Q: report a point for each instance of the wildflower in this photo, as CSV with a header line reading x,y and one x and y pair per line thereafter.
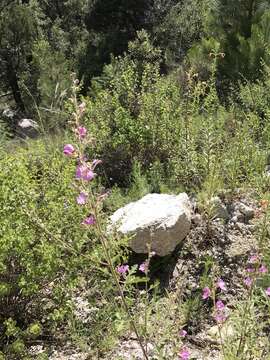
x,y
184,354
248,281
220,305
81,131
85,173
250,270
206,293
263,269
253,259
82,107
68,150
122,269
82,198
267,291
221,285
144,267
183,333
90,220
220,317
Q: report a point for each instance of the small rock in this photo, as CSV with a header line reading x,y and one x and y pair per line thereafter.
x,y
27,128
247,211
238,217
219,209
241,227
197,219
8,113
227,331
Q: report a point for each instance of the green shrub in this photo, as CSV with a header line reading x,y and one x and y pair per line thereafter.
x,y
41,244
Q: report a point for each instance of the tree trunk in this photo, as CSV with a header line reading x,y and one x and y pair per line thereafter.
x,y
14,85
250,18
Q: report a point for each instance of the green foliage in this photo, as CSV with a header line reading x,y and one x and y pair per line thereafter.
x,y
18,32
40,244
241,31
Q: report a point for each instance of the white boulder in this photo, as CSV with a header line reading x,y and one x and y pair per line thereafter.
x,y
158,221
27,128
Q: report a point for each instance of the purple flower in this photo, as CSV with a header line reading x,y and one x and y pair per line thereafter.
x,y
184,354
144,267
263,269
267,291
90,220
81,131
221,285
68,150
85,173
220,305
122,269
250,270
248,282
253,259
206,293
220,317
183,333
82,198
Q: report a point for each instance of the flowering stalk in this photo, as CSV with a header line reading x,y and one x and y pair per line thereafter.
x,y
85,174
219,312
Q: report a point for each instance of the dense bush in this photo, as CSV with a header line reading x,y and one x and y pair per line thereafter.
x,y
141,115
40,246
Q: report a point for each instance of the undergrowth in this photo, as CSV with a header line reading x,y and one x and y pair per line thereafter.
x,y
153,134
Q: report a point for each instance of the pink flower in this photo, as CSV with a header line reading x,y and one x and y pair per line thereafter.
x,y
143,267
220,317
82,107
267,291
250,270
253,259
122,269
263,269
184,354
85,173
90,220
221,285
68,150
220,305
248,282
206,293
82,198
183,333
81,131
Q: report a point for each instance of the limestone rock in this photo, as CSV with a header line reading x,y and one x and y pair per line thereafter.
x,y
160,221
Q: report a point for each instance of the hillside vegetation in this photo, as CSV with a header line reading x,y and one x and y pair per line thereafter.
x,y
127,98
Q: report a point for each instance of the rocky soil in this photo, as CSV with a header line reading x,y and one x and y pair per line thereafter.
x,y
226,240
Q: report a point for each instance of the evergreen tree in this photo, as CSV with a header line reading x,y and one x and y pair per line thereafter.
x,y
18,31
